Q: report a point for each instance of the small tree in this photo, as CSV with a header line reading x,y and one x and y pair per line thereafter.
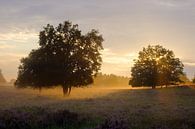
x,y
156,66
184,79
2,79
193,79
65,57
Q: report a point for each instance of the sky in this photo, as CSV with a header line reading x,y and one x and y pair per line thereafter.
x,y
126,25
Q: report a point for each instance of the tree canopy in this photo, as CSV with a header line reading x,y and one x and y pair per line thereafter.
x,y
156,66
66,57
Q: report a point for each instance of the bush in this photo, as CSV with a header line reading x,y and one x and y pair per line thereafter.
x,y
36,118
113,124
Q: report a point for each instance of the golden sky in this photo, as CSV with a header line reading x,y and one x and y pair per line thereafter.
x,y
127,26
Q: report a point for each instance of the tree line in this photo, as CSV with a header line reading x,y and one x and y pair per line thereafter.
x,y
68,58
110,80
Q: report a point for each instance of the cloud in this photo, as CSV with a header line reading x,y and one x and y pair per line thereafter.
x,y
5,46
189,67
114,58
117,63
189,70
174,3
123,70
126,26
21,36
167,3
9,63
189,63
11,57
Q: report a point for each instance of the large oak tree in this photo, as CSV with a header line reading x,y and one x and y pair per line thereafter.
x,y
156,66
66,57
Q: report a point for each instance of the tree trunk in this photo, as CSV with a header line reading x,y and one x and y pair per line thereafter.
x,y
40,89
66,90
153,87
69,90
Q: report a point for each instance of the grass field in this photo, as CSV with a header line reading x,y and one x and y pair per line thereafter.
x,y
140,108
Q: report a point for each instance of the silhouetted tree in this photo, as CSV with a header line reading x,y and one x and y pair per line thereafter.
x,y
156,66
65,57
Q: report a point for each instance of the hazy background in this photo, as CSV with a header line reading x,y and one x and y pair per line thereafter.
x,y
126,25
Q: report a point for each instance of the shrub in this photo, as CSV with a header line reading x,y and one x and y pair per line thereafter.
x,y
39,118
113,124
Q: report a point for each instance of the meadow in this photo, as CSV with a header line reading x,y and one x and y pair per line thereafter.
x,y
164,108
